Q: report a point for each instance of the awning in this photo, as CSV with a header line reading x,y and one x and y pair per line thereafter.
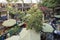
x,y
9,23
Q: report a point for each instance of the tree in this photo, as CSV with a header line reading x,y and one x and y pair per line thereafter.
x,y
9,8
22,5
31,2
49,3
34,20
57,1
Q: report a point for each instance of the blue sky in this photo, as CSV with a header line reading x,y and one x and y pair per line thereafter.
x,y
26,1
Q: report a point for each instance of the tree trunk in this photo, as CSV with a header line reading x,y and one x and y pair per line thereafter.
x,y
22,5
8,11
7,14
31,1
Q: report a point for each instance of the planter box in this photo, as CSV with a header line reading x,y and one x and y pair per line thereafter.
x,y
29,35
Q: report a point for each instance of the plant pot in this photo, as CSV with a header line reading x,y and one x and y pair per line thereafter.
x,y
29,35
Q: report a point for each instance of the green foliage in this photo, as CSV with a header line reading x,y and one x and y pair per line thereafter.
x,y
15,0
21,14
11,0
32,10
11,10
14,30
34,21
57,1
49,3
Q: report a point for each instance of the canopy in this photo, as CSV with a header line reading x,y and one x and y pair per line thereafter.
x,y
57,16
9,23
47,27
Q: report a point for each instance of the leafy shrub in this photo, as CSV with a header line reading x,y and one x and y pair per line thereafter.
x,y
34,21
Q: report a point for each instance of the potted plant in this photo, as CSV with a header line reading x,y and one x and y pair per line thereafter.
x,y
34,24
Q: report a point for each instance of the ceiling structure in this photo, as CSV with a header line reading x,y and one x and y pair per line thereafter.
x,y
25,1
